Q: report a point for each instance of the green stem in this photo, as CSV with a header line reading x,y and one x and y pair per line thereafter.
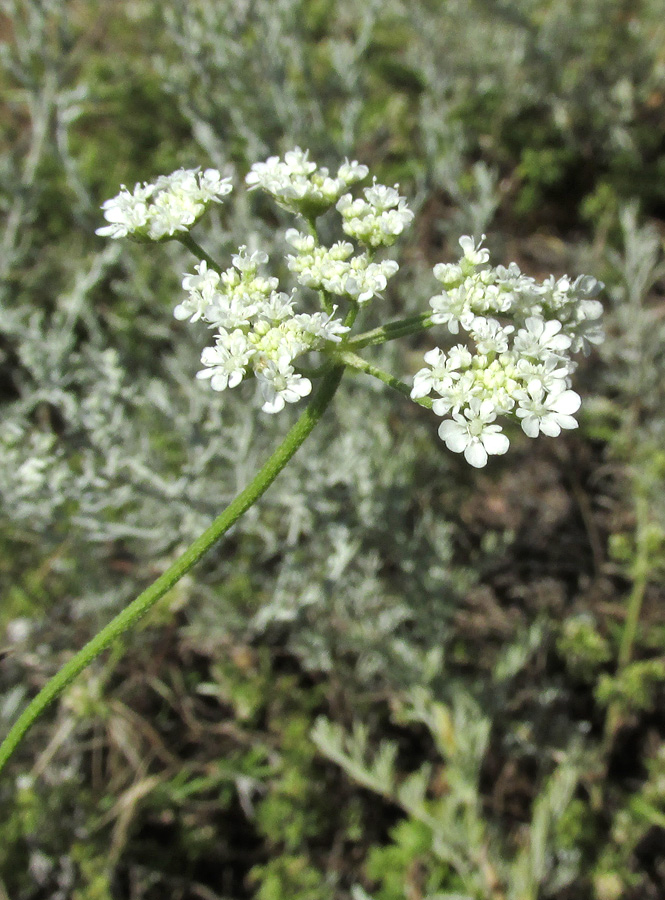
x,y
351,315
326,302
361,365
310,221
392,331
188,241
139,607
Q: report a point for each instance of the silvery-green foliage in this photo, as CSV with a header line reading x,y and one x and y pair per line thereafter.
x,y
475,204
346,575
256,73
79,433
112,448
540,56
634,375
541,862
461,835
636,359
37,353
251,72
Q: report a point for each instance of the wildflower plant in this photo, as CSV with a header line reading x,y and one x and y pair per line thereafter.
x,y
513,359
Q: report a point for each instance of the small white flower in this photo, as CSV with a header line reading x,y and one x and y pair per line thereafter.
x,y
249,262
280,384
378,219
127,213
201,288
298,185
436,373
456,394
539,339
546,413
322,326
490,336
449,274
442,372
204,282
552,373
277,308
212,186
459,357
364,280
350,172
451,308
298,163
227,361
474,434
172,204
303,243
474,253
381,197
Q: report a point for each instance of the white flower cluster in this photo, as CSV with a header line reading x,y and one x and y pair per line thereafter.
x,y
336,270
377,220
523,334
299,185
171,204
258,332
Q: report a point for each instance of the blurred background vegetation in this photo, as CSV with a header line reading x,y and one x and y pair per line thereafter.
x,y
398,677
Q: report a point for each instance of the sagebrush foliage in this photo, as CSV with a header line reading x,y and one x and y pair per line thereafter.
x,y
337,594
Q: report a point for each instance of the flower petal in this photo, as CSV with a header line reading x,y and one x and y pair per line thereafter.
x,y
476,455
496,444
530,425
568,402
455,436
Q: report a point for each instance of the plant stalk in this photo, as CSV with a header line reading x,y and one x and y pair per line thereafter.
x,y
392,331
361,365
188,241
145,601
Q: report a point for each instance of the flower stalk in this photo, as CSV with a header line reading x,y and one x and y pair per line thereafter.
x,y
392,331
131,614
188,241
362,365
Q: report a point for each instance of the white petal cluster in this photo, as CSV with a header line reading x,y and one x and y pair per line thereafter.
x,y
518,363
377,220
173,203
301,186
258,332
229,300
473,288
336,270
473,433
